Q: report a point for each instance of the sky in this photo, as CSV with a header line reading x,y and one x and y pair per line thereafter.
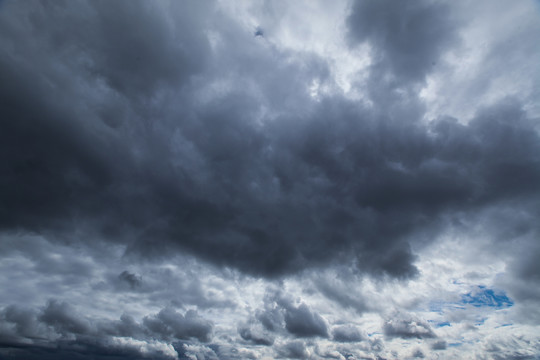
x,y
269,179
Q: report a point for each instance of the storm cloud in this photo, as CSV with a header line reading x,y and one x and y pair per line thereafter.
x,y
268,198
168,155
406,326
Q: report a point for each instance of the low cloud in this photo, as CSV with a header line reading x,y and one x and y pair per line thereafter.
x,y
282,314
407,326
293,350
169,324
31,333
64,319
255,335
133,280
347,333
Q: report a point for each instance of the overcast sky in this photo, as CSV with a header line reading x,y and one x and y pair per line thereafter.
x,y
270,179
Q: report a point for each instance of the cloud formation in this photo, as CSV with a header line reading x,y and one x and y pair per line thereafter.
x,y
406,326
213,180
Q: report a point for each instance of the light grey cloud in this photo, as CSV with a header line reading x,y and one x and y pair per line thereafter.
x,y
407,326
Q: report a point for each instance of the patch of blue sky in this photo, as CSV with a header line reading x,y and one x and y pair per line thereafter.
x,y
484,297
443,323
440,323
480,297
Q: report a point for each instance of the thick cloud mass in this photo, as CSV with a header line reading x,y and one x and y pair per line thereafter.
x,y
157,157
81,337
168,323
407,38
281,313
347,333
405,326
268,198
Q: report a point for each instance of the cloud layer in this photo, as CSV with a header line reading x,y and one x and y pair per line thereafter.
x,y
172,154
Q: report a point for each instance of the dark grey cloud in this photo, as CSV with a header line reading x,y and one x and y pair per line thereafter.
x,y
166,129
281,313
60,328
347,333
34,335
127,326
407,326
303,322
133,280
339,182
64,319
170,324
259,32
79,350
255,335
439,345
418,354
19,323
293,350
407,38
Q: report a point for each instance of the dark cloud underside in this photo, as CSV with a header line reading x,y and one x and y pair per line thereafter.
x,y
340,181
148,148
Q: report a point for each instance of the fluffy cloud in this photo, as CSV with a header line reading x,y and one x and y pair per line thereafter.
x,y
406,326
347,333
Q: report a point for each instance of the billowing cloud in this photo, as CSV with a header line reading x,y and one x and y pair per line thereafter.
x,y
169,324
60,320
406,326
439,345
63,319
303,322
270,198
257,336
347,333
407,39
132,280
293,350
227,180
298,319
